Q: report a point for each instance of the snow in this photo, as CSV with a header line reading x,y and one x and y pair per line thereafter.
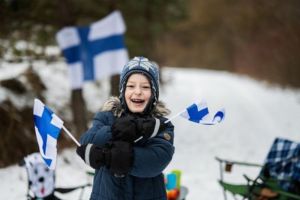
x,y
256,113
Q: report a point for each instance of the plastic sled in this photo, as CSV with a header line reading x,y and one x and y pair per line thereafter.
x,y
175,191
41,180
278,179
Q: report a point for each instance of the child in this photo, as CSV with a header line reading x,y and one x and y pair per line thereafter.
x,y
129,144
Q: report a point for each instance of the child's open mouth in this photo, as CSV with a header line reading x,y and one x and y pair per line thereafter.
x,y
138,101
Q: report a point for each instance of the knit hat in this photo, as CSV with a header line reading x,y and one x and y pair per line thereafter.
x,y
144,66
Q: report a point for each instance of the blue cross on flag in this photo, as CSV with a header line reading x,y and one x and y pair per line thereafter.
x,y
199,113
96,51
47,129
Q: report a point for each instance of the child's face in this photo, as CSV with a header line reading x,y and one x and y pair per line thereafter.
x,y
137,93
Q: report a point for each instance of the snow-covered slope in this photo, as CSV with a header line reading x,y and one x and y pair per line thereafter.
x,y
256,113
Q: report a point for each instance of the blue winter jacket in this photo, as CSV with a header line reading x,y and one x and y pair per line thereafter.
x,y
145,181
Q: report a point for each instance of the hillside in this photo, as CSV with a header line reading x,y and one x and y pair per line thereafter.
x,y
256,113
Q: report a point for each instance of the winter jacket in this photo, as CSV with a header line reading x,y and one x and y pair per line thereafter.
x,y
145,181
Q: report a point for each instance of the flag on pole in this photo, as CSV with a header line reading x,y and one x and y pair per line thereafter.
x,y
47,127
199,113
96,51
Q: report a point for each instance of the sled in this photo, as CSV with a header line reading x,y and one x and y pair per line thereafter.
x,y
41,180
175,191
278,179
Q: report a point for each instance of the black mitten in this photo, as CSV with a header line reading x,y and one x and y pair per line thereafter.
x,y
132,128
117,156
124,129
149,127
121,157
94,155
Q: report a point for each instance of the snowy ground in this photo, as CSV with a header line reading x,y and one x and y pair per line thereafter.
x,y
256,113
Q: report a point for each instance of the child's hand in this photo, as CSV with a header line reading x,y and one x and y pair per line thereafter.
x,y
117,156
121,158
93,155
149,127
125,129
131,128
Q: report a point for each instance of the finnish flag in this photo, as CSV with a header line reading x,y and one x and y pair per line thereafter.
x,y
96,51
199,113
47,127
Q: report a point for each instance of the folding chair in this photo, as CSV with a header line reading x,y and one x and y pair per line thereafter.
x,y
41,180
279,177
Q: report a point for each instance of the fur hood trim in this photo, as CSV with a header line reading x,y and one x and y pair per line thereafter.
x,y
113,104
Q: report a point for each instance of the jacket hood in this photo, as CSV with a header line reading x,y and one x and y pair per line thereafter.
x,y
113,104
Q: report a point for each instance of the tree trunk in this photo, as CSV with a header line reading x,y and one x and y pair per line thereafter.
x,y
77,101
114,85
79,112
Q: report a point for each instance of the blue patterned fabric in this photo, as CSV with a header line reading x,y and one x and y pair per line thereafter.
x,y
283,163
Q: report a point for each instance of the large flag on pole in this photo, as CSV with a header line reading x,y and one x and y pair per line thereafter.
x,y
95,51
47,127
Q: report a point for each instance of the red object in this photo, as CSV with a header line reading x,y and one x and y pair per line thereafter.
x,y
173,194
42,190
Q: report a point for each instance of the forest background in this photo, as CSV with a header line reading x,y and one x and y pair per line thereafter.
x,y
259,38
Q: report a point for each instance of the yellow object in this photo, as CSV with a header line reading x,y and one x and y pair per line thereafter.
x,y
178,175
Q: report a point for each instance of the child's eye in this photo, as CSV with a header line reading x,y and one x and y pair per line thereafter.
x,y
129,86
146,87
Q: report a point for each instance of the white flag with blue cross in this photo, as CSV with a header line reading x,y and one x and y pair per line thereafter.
x,y
199,113
96,51
47,127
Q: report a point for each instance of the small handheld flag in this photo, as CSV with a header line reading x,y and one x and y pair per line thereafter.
x,y
47,130
47,127
199,113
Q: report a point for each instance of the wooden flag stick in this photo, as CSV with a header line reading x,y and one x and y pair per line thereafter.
x,y
71,136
